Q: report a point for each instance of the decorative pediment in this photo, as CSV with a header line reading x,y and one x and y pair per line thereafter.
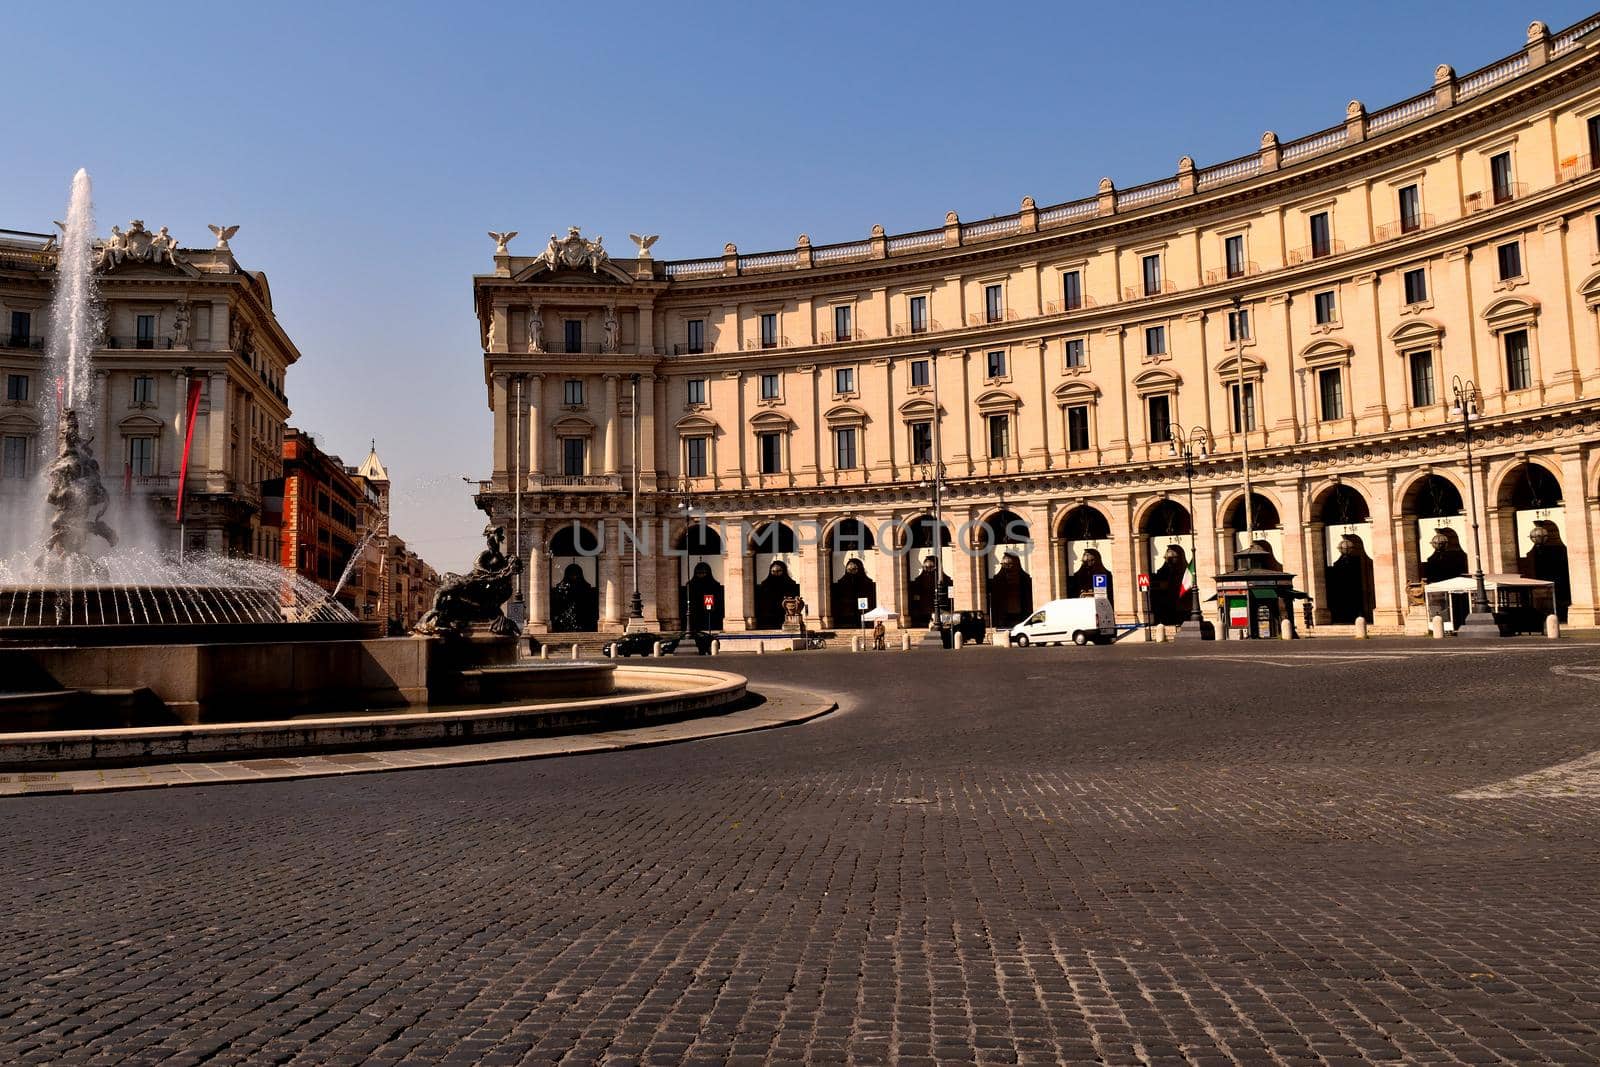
x,y
574,255
771,420
998,400
1077,392
1326,351
1509,312
697,425
139,247
139,423
606,275
1229,369
845,415
1590,289
17,421
1417,333
1157,380
573,426
917,409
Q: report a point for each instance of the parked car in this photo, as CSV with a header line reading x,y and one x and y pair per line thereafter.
x,y
642,643
1079,620
973,626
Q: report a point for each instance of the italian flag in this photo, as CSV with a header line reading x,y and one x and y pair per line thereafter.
x,y
1188,579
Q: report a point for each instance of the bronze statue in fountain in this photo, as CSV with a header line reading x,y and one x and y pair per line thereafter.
x,y
475,598
78,501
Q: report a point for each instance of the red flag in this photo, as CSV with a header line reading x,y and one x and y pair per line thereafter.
x,y
188,441
127,480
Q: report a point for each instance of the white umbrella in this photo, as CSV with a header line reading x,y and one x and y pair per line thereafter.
x,y
879,613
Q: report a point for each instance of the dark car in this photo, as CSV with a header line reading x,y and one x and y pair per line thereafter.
x,y
973,626
642,643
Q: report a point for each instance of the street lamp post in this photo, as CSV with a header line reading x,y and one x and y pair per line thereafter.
x,y
1480,620
936,624
636,602
1186,446
686,505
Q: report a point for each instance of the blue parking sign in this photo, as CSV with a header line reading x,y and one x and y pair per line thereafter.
x,y
1100,580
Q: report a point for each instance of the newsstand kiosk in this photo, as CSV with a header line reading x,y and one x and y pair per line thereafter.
x,y
1254,600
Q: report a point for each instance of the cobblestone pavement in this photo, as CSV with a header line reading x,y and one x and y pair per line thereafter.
x,y
1129,854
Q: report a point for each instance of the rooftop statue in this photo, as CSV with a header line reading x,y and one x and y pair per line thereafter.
x,y
573,252
224,234
644,242
500,241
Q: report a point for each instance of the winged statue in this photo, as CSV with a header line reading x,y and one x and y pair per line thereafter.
x,y
500,240
644,243
223,233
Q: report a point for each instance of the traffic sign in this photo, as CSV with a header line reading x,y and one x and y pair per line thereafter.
x,y
861,603
710,601
1100,581
1144,583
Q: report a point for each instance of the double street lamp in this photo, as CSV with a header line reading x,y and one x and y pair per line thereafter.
x,y
636,602
1467,403
1187,446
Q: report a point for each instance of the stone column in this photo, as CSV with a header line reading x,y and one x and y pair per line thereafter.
x,y
216,432
502,427
1579,506
1389,554
609,572
1128,553
815,589
612,424
533,412
734,565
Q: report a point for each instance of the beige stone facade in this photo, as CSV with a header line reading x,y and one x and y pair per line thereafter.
x,y
1455,235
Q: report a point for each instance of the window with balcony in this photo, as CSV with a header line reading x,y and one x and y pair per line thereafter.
x,y
572,392
15,453
1243,399
1158,411
996,363
999,436
1508,257
1594,140
769,445
1071,290
141,456
1078,428
1410,208
144,389
1238,326
1416,285
574,456
919,373
1326,307
1233,255
696,390
145,331
844,448
572,334
1500,177
695,335
919,314
1321,235
769,330
1150,268
1423,392
21,329
1155,341
1519,367
694,456
1330,389
994,299
841,323
769,387
844,381
921,442
1077,355
17,388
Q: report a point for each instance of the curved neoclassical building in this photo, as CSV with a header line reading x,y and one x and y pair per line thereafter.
x,y
1307,312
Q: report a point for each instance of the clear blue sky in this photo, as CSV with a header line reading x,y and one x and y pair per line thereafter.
x,y
366,149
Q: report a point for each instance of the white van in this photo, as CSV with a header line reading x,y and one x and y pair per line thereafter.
x,y
1079,620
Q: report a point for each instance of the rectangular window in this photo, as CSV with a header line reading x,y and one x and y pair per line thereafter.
x,y
1594,141
142,456
769,330
572,333
1076,356
1509,257
1422,381
1410,209
1416,285
1321,235
21,329
844,449
769,387
696,335
695,456
574,454
696,390
999,436
919,372
1238,326
1072,290
841,324
1244,406
1326,309
1151,268
17,388
922,442
145,325
1155,340
144,390
572,391
1078,428
1159,409
1233,253
771,449
997,364
1500,177
1519,369
14,457
993,303
844,381
919,314
1330,384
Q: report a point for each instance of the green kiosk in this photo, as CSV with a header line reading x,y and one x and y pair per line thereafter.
x,y
1255,598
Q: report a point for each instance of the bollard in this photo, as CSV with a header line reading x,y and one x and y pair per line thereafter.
x,y
1286,630
856,644
716,648
611,651
1361,628
905,642
1552,627
656,650
1436,627
956,641
544,651
761,648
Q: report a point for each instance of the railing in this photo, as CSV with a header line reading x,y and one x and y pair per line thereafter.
x,y
1480,201
1568,39
584,348
19,341
1574,167
1311,252
904,329
1401,113
26,258
684,349
835,253
752,344
139,342
828,337
989,229
1069,212
1390,230
983,318
1224,274
1140,292
1060,307
768,261
916,242
1232,171
1481,81
698,268
1314,145
1149,193
597,482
